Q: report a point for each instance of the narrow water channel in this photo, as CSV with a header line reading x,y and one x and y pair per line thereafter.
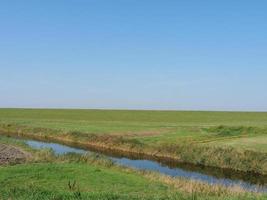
x,y
250,182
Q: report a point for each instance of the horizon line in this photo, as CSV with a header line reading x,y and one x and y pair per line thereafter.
x,y
133,109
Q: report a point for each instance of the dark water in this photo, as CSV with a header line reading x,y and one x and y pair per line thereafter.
x,y
250,182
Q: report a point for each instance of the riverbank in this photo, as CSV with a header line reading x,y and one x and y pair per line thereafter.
x,y
74,176
62,180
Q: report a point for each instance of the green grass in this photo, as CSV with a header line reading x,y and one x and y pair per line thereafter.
x,y
179,134
55,177
163,117
120,121
148,126
81,181
258,143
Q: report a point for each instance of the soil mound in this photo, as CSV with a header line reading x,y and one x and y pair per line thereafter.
x,y
11,155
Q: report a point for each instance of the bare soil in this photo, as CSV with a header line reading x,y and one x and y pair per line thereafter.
x,y
11,155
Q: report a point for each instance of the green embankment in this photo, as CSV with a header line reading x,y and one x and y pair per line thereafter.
x,y
41,180
81,181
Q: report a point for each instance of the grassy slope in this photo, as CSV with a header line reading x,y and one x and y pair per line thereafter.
x,y
157,129
51,181
55,178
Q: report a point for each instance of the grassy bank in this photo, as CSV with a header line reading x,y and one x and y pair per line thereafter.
x,y
220,139
83,181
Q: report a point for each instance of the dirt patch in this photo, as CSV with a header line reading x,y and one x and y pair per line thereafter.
x,y
11,155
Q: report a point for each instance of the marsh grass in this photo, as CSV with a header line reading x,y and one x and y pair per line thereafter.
x,y
226,131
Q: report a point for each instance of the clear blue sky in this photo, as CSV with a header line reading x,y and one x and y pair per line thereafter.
x,y
137,54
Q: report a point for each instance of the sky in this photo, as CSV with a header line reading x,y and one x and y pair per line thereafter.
x,y
134,54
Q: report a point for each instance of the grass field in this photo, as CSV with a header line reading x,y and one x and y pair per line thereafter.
x,y
236,140
55,177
